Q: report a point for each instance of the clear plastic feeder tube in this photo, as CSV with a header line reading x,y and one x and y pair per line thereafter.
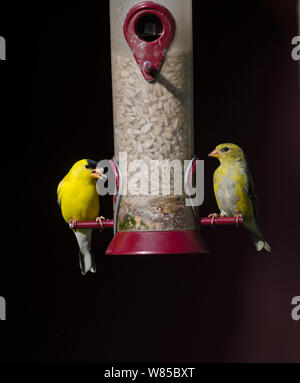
x,y
153,120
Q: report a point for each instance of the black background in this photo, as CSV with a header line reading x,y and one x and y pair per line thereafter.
x,y
231,305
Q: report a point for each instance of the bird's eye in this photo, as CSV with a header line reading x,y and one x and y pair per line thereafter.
x,y
225,149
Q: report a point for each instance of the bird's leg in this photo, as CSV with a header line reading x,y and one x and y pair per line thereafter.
x,y
213,216
72,223
99,220
237,218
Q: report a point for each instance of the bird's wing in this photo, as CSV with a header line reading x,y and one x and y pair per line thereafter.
x,y
216,182
251,194
59,191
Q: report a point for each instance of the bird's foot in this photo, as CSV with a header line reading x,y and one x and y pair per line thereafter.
x,y
99,220
213,216
237,217
72,223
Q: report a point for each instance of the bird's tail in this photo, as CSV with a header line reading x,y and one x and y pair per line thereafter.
x,y
257,236
260,242
86,259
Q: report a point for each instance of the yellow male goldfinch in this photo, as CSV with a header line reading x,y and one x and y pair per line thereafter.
x,y
234,190
79,201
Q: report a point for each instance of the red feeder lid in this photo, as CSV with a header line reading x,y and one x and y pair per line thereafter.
x,y
149,29
157,242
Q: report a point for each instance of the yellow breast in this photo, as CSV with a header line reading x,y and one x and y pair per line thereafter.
x,y
234,180
78,201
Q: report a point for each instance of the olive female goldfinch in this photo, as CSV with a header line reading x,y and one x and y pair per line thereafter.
x,y
234,190
79,201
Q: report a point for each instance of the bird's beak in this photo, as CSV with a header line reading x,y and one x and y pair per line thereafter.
x,y
214,153
98,173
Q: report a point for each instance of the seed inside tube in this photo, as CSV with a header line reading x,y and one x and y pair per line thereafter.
x,y
150,123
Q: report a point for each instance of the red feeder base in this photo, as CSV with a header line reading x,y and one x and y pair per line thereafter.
x,y
157,242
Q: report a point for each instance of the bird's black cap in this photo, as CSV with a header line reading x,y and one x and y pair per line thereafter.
x,y
91,164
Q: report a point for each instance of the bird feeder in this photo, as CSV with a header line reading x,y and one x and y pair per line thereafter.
x,y
152,84
152,77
